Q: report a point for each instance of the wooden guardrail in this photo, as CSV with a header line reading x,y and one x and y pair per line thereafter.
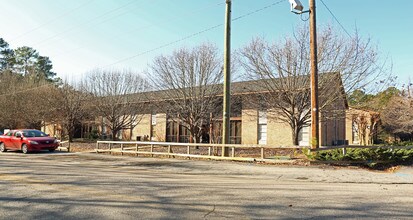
x,y
186,149
64,145
214,151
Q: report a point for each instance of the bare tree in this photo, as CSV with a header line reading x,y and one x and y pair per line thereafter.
x,y
8,83
282,69
24,102
397,117
71,102
365,123
113,100
189,80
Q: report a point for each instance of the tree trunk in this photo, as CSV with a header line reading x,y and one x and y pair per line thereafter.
x,y
70,133
295,132
114,135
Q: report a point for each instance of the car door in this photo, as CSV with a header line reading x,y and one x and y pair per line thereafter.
x,y
7,140
16,140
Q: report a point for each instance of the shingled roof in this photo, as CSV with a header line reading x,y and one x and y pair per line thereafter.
x,y
237,88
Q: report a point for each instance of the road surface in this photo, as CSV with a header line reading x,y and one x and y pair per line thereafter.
x,y
90,186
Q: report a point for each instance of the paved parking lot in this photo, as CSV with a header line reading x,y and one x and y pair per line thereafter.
x,y
90,186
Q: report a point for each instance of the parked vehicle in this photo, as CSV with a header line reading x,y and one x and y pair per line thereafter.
x,y
27,140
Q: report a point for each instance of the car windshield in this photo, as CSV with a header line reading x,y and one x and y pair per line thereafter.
x,y
33,133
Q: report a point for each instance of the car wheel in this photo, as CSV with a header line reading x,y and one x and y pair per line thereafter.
x,y
2,147
51,150
24,149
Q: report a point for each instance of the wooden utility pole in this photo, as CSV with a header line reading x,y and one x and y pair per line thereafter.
x,y
314,78
227,80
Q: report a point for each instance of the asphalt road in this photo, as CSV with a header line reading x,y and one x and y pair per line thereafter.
x,y
89,186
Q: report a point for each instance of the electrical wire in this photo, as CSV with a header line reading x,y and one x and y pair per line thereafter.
x,y
86,23
53,20
349,35
30,89
335,18
164,45
192,35
258,10
168,20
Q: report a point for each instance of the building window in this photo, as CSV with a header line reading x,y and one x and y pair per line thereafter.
x,y
304,132
183,134
153,127
304,136
355,132
235,132
153,119
171,131
153,130
176,132
262,127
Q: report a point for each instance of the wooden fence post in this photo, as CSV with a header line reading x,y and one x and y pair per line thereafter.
x,y
97,147
137,149
121,149
262,153
169,151
233,152
151,150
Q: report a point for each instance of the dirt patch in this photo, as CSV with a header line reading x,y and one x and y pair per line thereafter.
x,y
80,147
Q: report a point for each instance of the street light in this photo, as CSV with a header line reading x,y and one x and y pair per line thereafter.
x,y
297,8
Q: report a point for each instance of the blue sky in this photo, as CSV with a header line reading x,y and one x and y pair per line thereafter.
x,y
80,35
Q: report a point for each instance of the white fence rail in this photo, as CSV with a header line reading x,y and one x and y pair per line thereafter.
x,y
191,150
64,146
212,151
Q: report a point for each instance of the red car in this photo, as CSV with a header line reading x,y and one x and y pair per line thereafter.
x,y
27,140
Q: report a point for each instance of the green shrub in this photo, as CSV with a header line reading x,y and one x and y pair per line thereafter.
x,y
359,154
94,134
335,155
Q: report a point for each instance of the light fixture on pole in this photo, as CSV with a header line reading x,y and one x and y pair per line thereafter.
x,y
297,8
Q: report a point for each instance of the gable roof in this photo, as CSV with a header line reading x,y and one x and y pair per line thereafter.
x,y
243,88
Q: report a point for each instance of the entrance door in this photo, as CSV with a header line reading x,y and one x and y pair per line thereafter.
x,y
262,134
304,136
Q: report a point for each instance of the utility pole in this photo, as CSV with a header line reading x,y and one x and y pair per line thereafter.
x,y
314,78
227,80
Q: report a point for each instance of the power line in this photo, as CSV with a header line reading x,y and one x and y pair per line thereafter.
x,y
380,68
30,89
164,45
258,10
335,18
193,35
53,20
168,20
86,23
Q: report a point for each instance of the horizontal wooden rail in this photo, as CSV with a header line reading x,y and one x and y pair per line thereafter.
x,y
63,147
201,144
152,148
